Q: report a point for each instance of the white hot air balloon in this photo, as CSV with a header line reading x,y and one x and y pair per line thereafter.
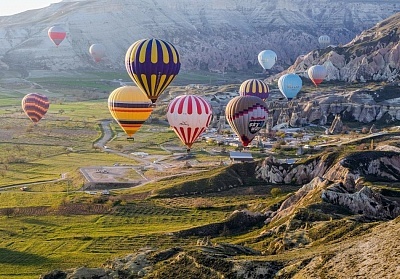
x,y
97,51
267,59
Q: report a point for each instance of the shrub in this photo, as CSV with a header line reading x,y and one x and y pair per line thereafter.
x,y
275,192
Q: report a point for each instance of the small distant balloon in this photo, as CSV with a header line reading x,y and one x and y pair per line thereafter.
x,y
324,41
97,51
267,59
254,87
290,85
189,116
130,107
57,34
246,115
35,106
152,64
317,74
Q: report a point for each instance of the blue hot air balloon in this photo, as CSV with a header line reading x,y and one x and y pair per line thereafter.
x,y
267,59
290,85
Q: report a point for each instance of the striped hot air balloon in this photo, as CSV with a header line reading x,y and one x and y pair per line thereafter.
x,y
130,107
254,87
189,116
324,41
246,115
57,34
35,106
152,64
317,74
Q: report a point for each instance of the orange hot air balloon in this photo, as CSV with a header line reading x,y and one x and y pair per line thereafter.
x,y
35,106
57,34
130,107
189,116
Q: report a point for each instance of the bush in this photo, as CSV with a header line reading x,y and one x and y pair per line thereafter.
x,y
275,192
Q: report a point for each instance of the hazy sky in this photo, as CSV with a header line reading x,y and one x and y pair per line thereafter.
x,y
16,6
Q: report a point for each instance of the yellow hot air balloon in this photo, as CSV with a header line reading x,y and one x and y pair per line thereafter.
x,y
130,107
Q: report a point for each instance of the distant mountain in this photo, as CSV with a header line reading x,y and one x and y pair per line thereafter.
x,y
373,55
210,34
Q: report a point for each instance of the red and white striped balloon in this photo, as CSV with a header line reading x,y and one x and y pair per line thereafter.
x,y
189,116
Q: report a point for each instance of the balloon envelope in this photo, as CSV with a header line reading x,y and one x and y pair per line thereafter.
x,y
57,34
317,74
290,85
189,116
130,107
152,64
246,115
97,51
35,106
324,40
254,87
267,59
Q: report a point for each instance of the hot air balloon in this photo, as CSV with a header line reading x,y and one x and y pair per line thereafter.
x,y
35,106
267,59
246,115
254,87
290,85
97,51
130,107
317,73
152,64
324,41
56,34
189,116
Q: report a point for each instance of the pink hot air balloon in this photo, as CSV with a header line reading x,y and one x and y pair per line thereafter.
x,y
189,116
97,51
317,74
57,34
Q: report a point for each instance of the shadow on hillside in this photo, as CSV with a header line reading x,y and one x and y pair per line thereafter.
x,y
8,256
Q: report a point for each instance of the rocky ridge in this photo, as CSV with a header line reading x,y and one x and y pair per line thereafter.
x,y
373,55
217,36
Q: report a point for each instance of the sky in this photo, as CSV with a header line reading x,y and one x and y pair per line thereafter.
x,y
16,6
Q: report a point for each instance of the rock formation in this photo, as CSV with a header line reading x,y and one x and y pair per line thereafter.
x,y
373,55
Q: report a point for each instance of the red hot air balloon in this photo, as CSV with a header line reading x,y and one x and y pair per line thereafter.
x,y
57,34
35,106
254,87
189,116
152,64
317,74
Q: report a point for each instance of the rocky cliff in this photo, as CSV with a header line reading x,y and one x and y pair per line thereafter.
x,y
373,55
212,35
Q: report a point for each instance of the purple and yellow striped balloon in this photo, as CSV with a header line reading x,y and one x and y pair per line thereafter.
x,y
35,106
254,87
152,64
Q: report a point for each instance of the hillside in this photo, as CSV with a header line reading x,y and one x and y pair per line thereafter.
x,y
219,36
326,229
